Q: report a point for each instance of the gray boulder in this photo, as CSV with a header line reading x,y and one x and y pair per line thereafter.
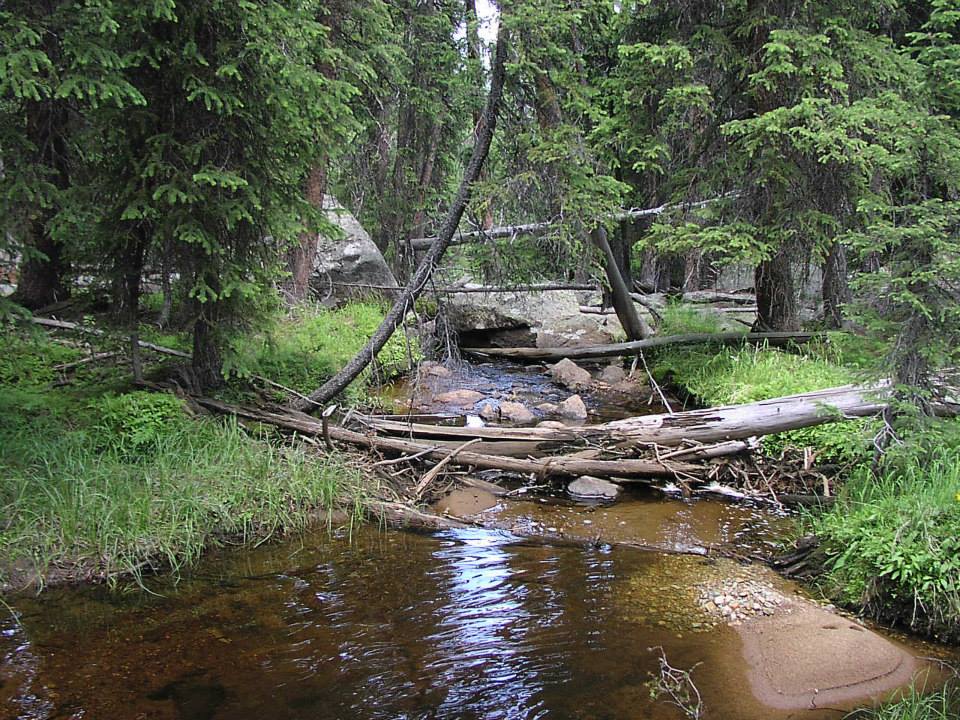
x,y
573,408
350,265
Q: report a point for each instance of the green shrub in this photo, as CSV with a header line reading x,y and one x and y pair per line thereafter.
x,y
137,421
893,542
28,359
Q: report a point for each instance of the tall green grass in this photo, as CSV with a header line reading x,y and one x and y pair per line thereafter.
x,y
892,541
99,484
715,375
915,704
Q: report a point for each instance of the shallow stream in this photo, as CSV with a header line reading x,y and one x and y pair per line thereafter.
x,y
474,623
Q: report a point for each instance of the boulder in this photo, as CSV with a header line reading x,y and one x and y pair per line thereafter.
x,y
593,488
612,374
511,412
580,330
573,408
507,311
434,369
548,408
569,374
459,398
347,260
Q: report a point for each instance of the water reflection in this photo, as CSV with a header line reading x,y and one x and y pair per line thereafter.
x,y
464,624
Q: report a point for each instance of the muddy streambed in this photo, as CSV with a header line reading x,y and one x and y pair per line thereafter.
x,y
469,623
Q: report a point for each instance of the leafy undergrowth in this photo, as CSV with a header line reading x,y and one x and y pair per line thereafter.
x,y
724,375
892,540
100,483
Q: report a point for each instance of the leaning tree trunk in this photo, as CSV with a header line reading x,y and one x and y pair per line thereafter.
x,y
627,313
418,282
777,306
836,289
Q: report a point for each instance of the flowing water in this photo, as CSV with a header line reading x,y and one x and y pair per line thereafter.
x,y
473,623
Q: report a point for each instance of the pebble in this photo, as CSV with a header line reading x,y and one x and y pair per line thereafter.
x,y
738,599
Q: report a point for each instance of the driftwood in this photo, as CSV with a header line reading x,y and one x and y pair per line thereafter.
x,y
638,346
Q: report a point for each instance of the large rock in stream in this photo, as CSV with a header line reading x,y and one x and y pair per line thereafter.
x,y
350,265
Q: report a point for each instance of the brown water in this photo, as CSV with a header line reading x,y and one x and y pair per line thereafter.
x,y
460,624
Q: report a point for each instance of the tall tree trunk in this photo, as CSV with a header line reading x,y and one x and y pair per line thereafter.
x,y
421,277
836,289
300,257
777,306
672,272
40,279
207,361
132,273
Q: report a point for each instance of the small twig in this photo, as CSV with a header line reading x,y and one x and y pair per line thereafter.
x,y
438,468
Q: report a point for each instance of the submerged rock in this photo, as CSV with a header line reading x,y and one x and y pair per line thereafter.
x,y
593,488
459,398
573,408
569,374
612,374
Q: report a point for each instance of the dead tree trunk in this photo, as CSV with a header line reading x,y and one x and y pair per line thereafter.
x,y
633,325
418,282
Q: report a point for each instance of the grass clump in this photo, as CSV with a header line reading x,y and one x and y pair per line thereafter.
x,y
99,484
915,704
306,347
892,541
726,376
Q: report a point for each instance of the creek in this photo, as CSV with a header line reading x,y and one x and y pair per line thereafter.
x,y
467,623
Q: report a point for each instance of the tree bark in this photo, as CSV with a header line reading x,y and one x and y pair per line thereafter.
x,y
300,257
418,282
836,289
777,306
40,280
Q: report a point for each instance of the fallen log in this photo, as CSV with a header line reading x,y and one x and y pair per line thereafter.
x,y
775,339
545,467
74,327
708,427
538,228
709,296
